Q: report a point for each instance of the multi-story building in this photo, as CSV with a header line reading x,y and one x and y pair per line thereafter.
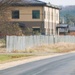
x,y
51,19
35,15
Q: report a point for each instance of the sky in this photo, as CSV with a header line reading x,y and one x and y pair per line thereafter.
x,y
61,2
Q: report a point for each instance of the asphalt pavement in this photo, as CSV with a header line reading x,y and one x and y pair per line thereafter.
x,y
59,65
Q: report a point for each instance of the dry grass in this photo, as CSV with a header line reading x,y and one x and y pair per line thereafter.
x,y
2,48
53,48
2,45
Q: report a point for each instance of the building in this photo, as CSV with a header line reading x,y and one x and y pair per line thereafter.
x,y
37,16
62,29
65,29
72,30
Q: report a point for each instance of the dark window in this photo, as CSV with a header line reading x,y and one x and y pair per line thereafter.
x,y
36,14
36,30
15,14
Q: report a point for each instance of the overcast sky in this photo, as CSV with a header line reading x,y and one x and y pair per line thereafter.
x,y
61,2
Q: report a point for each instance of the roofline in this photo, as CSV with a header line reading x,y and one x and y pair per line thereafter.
x,y
53,6
28,5
36,4
45,4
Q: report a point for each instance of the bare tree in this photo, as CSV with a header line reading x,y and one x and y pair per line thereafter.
x,y
7,28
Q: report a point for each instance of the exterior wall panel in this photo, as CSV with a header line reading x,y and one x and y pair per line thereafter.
x,y
49,18
26,13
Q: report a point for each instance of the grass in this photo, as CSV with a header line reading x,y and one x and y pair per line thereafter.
x,y
53,48
10,57
2,40
36,51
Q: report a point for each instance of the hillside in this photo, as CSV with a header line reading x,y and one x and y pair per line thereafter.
x,y
67,10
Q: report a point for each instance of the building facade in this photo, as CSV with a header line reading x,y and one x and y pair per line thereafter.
x,y
37,16
51,19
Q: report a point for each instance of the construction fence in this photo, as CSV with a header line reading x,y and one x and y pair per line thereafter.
x,y
23,42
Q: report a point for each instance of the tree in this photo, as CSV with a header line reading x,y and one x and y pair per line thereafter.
x,y
70,19
67,17
7,28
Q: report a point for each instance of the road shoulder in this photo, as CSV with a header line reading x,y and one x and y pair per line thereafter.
x,y
20,62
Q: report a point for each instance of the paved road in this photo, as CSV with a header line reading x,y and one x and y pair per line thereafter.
x,y
60,65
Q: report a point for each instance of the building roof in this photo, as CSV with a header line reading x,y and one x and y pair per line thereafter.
x,y
33,3
62,26
28,2
53,6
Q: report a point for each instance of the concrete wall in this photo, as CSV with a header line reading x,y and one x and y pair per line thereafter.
x,y
23,42
51,20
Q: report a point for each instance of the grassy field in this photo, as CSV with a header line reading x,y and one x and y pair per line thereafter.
x,y
10,57
36,51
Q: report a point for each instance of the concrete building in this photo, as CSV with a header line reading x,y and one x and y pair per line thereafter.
x,y
36,15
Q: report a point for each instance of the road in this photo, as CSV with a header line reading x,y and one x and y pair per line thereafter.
x,y
59,65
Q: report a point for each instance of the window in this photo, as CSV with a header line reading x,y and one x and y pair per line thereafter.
x,y
36,30
15,14
36,14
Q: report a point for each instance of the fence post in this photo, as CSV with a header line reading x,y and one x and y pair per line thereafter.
x,y
54,39
7,42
